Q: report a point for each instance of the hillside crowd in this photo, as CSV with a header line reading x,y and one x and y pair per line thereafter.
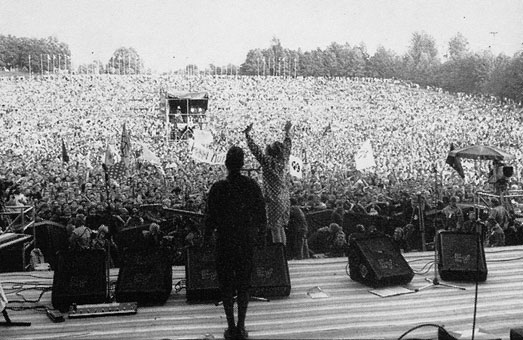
x,y
410,130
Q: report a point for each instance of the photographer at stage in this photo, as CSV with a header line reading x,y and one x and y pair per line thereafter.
x,y
275,165
236,211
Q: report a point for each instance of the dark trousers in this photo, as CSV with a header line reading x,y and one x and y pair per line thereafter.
x,y
234,265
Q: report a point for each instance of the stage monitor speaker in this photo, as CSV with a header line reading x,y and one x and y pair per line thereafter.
x,y
201,279
376,262
80,277
461,257
516,334
270,275
145,277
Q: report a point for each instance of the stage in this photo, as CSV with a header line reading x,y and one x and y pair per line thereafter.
x,y
349,312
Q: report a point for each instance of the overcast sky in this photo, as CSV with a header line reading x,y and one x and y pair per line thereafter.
x,y
170,34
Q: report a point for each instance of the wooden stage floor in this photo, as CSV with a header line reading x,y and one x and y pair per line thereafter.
x,y
349,312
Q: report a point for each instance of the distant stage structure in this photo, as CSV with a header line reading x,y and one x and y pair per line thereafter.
x,y
184,111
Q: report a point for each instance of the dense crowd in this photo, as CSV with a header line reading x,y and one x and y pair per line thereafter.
x,y
410,130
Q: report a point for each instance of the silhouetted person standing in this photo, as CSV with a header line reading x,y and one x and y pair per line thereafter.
x,y
275,166
236,211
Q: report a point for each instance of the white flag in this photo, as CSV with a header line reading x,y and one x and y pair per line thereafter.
x,y
202,137
364,158
148,156
295,167
111,155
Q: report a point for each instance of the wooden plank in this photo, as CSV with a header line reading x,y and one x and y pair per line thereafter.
x,y
350,311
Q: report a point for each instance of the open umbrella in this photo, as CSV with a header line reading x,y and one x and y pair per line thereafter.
x,y
481,152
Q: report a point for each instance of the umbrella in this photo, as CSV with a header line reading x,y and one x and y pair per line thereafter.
x,y
481,152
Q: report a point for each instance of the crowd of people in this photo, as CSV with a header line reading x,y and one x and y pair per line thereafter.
x,y
410,130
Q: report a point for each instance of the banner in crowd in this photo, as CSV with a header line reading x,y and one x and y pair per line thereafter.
x,y
202,137
295,167
364,158
205,155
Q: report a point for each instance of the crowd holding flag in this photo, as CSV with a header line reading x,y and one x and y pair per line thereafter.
x,y
110,155
65,156
125,146
364,158
455,162
295,167
117,171
148,156
327,129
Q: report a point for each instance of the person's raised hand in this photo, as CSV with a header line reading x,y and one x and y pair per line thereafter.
x,y
288,126
248,128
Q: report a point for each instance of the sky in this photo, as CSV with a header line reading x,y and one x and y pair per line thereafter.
x,y
169,34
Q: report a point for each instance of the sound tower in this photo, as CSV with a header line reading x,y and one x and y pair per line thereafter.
x,y
376,262
458,257
79,277
145,276
269,279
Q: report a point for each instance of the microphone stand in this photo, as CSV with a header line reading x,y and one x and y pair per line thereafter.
x,y
435,282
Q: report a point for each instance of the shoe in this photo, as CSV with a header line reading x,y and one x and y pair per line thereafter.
x,y
230,333
242,333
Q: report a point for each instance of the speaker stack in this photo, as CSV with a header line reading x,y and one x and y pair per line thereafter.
x,y
145,277
79,278
270,275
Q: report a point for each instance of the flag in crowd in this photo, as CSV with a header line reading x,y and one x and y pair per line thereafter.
x,y
65,156
455,162
364,158
148,156
111,155
117,172
87,161
125,146
295,167
327,129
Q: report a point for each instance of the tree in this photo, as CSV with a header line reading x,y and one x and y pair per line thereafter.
x,y
458,47
421,61
506,78
384,63
125,61
253,64
466,74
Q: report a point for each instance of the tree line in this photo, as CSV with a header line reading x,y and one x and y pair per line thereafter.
x,y
33,55
48,55
462,70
